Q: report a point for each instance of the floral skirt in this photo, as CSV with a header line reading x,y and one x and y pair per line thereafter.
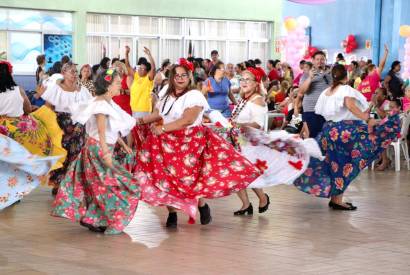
x,y
19,171
95,194
180,167
281,157
38,133
348,148
73,141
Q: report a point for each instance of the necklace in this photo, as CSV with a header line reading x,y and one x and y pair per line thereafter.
x,y
238,108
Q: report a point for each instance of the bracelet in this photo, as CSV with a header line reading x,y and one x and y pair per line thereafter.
x,y
141,120
163,128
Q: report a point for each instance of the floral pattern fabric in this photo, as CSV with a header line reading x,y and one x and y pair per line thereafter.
x,y
38,133
189,164
96,194
348,148
73,141
19,171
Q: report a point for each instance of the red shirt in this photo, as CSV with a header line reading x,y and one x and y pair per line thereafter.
x,y
273,75
124,85
369,85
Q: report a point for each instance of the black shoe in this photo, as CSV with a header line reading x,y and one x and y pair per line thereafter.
x,y
332,203
172,220
205,214
247,211
266,207
99,229
336,206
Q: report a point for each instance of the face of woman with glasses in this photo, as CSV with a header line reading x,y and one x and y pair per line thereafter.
x,y
70,74
248,83
181,79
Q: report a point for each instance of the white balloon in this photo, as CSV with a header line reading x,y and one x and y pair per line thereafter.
x,y
303,21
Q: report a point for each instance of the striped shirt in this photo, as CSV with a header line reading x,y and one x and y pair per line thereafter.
x,y
319,83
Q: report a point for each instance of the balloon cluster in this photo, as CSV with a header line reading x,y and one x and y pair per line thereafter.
x,y
405,32
349,44
295,40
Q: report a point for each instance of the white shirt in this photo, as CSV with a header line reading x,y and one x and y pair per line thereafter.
x,y
11,103
332,107
171,108
253,113
63,100
117,120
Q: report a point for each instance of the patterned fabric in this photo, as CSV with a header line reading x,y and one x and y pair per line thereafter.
x,y
37,132
73,142
89,84
95,194
19,171
189,164
348,148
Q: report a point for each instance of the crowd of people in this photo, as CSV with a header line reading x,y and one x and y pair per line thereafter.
x,y
113,134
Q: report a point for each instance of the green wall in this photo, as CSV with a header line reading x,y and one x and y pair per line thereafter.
x,y
261,10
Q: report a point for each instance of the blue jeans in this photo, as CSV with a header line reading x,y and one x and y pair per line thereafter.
x,y
226,113
314,122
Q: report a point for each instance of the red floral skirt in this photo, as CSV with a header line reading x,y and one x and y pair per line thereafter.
x,y
187,165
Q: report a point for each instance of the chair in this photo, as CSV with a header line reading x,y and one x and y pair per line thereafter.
x,y
269,117
401,142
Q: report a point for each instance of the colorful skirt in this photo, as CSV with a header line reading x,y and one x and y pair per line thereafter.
x,y
95,194
281,157
19,171
73,141
38,133
348,148
180,167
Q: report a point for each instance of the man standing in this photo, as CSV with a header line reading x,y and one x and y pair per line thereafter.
x,y
214,59
311,86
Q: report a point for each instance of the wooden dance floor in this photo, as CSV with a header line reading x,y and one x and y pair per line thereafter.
x,y
298,235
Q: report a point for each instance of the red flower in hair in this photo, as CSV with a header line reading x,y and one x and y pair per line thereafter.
x,y
108,78
186,64
8,65
256,73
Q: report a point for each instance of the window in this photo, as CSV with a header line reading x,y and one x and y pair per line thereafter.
x,y
173,38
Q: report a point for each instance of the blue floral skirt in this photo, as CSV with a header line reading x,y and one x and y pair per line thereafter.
x,y
348,148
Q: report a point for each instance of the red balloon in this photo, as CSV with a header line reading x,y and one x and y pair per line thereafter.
x,y
350,38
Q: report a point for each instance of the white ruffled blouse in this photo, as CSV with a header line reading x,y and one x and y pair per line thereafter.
x,y
252,113
118,121
63,100
332,107
171,108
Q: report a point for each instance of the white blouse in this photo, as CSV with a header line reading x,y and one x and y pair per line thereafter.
x,y
11,103
253,113
332,107
118,121
63,100
171,108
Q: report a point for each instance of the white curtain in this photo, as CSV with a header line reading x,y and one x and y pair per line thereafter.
x,y
150,43
95,49
195,27
171,26
238,51
118,47
148,25
172,49
97,23
216,28
259,50
237,29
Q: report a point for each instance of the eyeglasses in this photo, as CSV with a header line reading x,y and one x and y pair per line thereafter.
x,y
181,76
246,80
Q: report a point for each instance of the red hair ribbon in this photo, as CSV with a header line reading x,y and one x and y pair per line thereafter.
x,y
8,65
186,64
256,73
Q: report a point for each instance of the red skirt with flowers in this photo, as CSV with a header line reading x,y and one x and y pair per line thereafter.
x,y
95,194
189,164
